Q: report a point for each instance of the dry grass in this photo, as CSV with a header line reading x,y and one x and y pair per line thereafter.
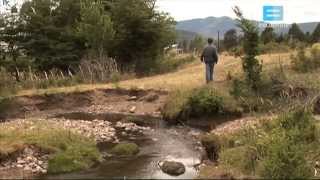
x,y
191,76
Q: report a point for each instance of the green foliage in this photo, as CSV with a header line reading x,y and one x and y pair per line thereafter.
x,y
174,108
205,102
57,34
315,36
200,102
171,63
69,151
285,161
277,149
274,47
197,44
141,33
251,65
230,39
295,33
50,38
125,149
243,158
74,158
268,35
96,27
307,60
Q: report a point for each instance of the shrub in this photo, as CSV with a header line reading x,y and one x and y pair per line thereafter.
x,y
125,149
285,159
174,107
307,60
74,158
273,47
205,102
173,62
278,149
243,158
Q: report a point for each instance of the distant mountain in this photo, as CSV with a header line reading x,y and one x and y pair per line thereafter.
x,y
210,26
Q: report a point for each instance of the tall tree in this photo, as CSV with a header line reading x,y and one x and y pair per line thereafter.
x,y
196,45
251,65
141,33
96,27
268,35
11,49
296,33
230,39
49,33
315,37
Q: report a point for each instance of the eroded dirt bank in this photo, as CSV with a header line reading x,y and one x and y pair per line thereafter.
x,y
136,102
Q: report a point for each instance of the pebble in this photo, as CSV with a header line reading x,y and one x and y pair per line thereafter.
x,y
133,109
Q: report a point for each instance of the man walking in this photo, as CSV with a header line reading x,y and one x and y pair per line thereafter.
x,y
210,57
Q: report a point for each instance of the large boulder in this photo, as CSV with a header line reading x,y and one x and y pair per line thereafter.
x,y
125,149
173,168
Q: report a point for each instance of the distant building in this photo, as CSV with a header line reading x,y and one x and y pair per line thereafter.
x,y
173,47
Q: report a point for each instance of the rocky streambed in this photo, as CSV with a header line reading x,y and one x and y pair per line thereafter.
x,y
110,118
157,143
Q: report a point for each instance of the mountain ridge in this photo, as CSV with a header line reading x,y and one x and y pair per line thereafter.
x,y
209,26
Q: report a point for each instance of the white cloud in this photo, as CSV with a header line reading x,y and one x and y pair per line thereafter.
x,y
294,10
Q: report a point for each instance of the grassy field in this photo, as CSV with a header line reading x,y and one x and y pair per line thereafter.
x,y
190,76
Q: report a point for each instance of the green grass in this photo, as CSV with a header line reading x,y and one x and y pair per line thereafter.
x,y
286,147
125,149
69,151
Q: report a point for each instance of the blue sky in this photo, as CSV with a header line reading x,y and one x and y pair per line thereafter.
x,y
294,10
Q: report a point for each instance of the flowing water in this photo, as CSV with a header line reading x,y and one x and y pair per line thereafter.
x,y
163,143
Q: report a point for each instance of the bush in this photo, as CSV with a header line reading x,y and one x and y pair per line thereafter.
x,y
307,60
171,63
174,108
205,102
278,149
201,102
243,158
125,149
285,160
74,158
273,47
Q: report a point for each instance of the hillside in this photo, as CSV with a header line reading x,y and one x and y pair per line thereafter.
x,y
210,26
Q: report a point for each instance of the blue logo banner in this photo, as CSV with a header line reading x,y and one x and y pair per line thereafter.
x,y
272,13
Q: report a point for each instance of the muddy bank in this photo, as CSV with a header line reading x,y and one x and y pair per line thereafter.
x,y
138,102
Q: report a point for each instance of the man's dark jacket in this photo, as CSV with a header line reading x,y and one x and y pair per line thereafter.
x,y
209,54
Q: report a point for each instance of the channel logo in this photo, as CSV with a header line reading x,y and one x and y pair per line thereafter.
x,y
272,13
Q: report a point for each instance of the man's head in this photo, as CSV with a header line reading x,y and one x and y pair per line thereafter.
x,y
210,41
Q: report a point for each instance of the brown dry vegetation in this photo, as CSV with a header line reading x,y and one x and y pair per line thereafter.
x,y
190,76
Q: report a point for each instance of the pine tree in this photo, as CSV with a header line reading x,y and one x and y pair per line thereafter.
x,y
268,35
315,37
230,39
251,65
296,33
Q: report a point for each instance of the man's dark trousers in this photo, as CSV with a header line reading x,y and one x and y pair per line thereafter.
x,y
209,71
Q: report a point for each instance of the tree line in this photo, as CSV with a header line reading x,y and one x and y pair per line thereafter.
x,y
233,39
59,34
